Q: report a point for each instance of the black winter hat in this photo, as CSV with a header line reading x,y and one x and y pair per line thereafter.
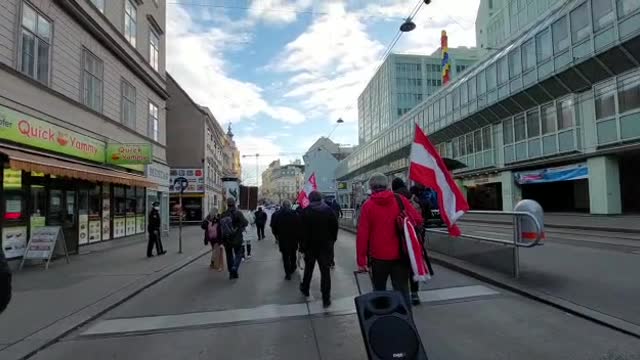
x,y
397,183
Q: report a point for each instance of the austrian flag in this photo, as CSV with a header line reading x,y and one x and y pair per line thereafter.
x,y
428,168
309,186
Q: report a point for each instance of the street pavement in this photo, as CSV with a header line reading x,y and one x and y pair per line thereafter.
x,y
48,303
197,313
595,269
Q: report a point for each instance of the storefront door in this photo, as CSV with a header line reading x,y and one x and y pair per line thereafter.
x,y
63,211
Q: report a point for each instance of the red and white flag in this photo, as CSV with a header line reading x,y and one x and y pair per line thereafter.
x,y
428,169
307,188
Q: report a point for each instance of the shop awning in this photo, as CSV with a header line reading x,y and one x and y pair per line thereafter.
x,y
39,162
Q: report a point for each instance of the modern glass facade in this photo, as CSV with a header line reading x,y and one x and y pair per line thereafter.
x,y
567,89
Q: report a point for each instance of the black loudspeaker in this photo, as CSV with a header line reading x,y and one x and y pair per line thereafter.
x,y
387,327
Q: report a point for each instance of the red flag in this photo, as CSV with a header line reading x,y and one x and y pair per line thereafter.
x,y
428,169
309,186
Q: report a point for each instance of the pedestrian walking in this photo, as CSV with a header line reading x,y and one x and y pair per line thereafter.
x,y
399,187
5,282
286,227
249,235
212,236
261,222
377,241
232,225
319,233
154,231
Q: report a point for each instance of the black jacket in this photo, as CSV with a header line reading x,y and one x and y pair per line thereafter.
x,y
154,221
261,217
319,228
286,227
5,282
239,223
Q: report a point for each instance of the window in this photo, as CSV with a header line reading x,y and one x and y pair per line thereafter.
x,y
481,84
36,41
477,140
154,122
528,55
519,129
99,4
128,104
472,88
605,102
463,146
580,23
464,97
565,114
154,50
507,131
503,70
130,14
602,12
560,35
548,113
543,46
491,77
533,123
486,138
92,81
626,7
515,64
629,93
469,142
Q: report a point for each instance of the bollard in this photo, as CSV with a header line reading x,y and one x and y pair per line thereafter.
x,y
526,226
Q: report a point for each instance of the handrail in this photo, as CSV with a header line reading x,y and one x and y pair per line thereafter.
x,y
516,214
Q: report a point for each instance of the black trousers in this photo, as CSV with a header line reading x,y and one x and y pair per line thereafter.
x,y
289,260
398,270
324,262
246,250
154,240
260,231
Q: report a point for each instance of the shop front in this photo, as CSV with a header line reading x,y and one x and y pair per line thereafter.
x,y
56,177
193,198
483,192
545,185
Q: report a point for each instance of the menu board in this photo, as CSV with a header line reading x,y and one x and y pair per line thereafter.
x,y
94,230
14,241
106,217
44,242
130,225
140,224
118,227
83,229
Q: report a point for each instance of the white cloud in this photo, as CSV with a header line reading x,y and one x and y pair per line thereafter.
x,y
195,59
269,149
330,63
277,11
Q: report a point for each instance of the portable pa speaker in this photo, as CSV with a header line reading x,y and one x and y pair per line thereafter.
x,y
387,327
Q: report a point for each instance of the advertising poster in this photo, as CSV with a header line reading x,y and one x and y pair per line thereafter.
x,y
139,224
83,229
14,241
231,189
36,222
130,225
43,242
106,217
118,227
195,179
94,230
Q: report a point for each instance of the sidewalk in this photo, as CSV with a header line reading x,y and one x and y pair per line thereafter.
x,y
47,304
616,223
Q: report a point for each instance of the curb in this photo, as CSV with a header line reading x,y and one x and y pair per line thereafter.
x,y
49,335
561,226
505,282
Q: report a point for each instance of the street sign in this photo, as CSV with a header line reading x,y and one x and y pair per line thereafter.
x,y
181,183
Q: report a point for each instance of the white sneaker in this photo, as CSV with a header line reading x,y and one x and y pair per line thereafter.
x,y
249,257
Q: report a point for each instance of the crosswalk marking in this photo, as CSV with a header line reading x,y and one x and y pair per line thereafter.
x,y
339,306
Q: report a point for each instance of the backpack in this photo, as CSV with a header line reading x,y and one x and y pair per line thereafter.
x,y
226,227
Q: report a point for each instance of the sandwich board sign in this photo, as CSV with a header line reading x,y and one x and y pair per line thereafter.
x,y
44,243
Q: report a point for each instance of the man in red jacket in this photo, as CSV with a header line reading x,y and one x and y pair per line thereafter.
x,y
377,237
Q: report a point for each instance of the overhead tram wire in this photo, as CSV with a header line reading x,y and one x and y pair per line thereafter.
x,y
393,42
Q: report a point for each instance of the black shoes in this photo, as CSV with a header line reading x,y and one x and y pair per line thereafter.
x,y
150,256
304,291
287,277
415,299
233,275
326,303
